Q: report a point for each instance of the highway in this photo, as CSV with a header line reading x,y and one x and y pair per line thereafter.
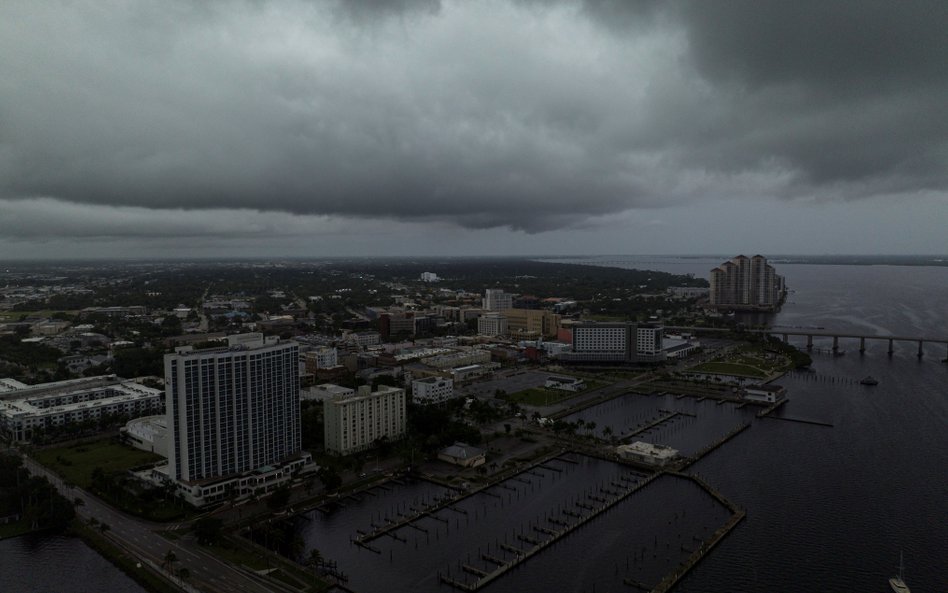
x,y
139,537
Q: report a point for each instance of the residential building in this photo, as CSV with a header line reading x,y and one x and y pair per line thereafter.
x,y
356,422
325,391
429,277
233,409
746,284
432,390
28,409
688,292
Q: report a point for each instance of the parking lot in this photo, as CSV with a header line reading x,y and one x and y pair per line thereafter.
x,y
507,381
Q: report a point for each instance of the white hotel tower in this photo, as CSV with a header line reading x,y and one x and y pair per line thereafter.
x,y
232,409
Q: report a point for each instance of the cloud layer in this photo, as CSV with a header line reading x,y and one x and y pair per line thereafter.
x,y
523,114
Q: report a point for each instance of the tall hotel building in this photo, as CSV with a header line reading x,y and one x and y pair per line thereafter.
x,y
233,409
618,342
746,284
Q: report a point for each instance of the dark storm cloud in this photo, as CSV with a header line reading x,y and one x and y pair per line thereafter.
x,y
528,114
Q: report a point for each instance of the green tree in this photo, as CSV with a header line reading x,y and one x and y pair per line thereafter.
x,y
207,530
280,498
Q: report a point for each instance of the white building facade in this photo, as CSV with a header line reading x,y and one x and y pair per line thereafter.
x,y
432,390
232,410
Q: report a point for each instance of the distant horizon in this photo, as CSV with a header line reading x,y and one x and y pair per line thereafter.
x,y
533,256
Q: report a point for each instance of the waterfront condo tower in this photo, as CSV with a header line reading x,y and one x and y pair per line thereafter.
x,y
232,409
745,283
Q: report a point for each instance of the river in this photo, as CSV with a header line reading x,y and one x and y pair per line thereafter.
x,y
828,509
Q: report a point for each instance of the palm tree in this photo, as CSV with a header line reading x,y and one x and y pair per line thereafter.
x,y
169,560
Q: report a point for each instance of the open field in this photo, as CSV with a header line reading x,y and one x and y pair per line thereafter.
x,y
541,396
76,462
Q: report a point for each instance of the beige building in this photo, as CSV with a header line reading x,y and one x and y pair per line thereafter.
x,y
492,324
745,283
532,322
356,422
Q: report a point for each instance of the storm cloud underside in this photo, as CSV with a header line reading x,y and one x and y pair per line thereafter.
x,y
527,115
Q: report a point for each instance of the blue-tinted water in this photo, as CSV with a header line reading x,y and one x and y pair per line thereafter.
x,y
44,564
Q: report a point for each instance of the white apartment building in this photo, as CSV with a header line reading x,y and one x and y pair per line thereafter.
x,y
322,357
429,277
356,422
492,324
432,390
232,409
27,409
495,299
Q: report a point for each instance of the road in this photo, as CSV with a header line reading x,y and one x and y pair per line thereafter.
x,y
139,537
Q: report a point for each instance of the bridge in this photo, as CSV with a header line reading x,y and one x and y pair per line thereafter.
x,y
810,334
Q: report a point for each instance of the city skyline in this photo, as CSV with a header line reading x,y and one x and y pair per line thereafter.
x,y
291,128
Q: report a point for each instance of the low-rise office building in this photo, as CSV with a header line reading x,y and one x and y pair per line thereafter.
x,y
765,393
647,453
492,324
463,454
432,391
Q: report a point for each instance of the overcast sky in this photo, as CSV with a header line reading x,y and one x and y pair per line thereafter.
x,y
175,128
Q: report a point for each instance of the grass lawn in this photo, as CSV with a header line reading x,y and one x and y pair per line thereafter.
x,y
76,462
728,368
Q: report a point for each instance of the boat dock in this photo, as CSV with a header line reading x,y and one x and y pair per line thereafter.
x,y
536,544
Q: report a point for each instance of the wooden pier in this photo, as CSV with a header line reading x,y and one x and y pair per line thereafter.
x,y
689,460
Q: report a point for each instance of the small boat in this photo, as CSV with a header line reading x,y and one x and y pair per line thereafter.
x,y
869,380
897,584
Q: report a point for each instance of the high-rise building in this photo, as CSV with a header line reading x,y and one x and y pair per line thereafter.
x,y
746,283
495,299
356,422
232,409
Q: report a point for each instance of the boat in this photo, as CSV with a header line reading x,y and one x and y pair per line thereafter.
x,y
897,584
869,380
